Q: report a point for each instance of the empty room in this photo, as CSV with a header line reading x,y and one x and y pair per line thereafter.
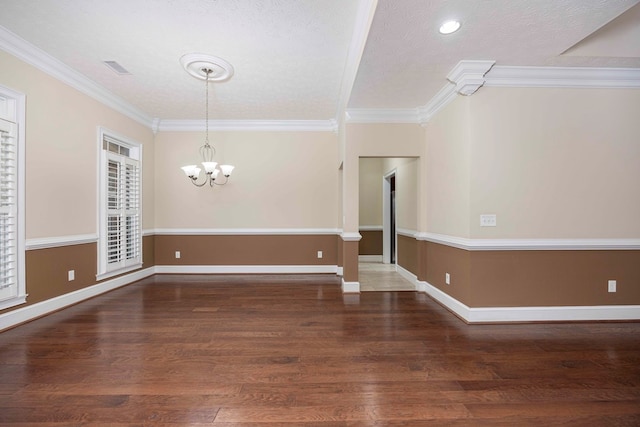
x,y
319,213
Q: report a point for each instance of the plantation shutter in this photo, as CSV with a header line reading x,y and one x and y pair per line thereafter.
x,y
8,211
123,228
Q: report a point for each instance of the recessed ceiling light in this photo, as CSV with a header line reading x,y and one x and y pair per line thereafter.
x,y
449,27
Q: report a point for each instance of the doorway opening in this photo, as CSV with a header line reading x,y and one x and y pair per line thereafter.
x,y
389,232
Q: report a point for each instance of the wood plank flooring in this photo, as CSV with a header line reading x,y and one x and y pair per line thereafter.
x,y
292,350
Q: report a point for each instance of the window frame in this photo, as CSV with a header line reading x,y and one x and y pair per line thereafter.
x,y
134,148
12,110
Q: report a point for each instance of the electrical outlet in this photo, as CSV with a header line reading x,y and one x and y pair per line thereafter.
x,y
447,278
177,254
72,275
488,220
319,254
612,286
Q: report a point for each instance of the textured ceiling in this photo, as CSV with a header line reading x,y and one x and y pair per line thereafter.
x,y
288,56
292,57
406,60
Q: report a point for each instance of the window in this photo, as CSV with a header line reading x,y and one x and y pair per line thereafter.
x,y
12,276
120,206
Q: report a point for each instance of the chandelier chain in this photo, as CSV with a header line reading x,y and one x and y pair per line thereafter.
x,y
206,120
207,151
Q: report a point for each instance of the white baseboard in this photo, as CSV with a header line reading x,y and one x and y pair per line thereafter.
x,y
532,314
340,271
523,314
350,287
24,314
553,314
369,258
408,275
246,269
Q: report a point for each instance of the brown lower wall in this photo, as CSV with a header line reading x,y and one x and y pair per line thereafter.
x,y
534,278
350,261
46,270
371,242
246,249
148,251
439,260
554,278
408,253
478,278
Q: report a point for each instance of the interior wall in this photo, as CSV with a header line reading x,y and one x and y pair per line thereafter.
x,y
281,180
447,165
62,152
370,191
61,139
371,140
555,163
551,164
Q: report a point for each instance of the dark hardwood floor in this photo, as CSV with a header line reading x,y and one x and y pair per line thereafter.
x,y
292,350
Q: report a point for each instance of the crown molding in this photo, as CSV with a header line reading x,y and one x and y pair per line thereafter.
x,y
359,36
36,57
563,77
468,76
248,125
382,115
438,102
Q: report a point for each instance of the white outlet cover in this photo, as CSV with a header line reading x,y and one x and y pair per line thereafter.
x,y
72,275
488,220
612,286
319,254
177,254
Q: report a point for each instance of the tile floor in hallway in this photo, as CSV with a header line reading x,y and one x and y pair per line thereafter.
x,y
376,276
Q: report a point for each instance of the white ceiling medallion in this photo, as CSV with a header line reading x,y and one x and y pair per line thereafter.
x,y
205,67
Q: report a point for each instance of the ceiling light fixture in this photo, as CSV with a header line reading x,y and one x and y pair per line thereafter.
x,y
210,69
449,27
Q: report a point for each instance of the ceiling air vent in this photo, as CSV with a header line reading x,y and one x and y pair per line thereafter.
x,y
116,67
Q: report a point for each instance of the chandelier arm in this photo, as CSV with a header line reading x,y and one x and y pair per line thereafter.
x,y
195,179
226,179
207,152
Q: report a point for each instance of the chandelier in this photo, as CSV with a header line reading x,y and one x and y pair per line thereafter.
x,y
207,68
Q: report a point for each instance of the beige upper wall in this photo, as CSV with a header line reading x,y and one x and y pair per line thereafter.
x,y
373,140
370,185
447,170
62,152
555,163
281,180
